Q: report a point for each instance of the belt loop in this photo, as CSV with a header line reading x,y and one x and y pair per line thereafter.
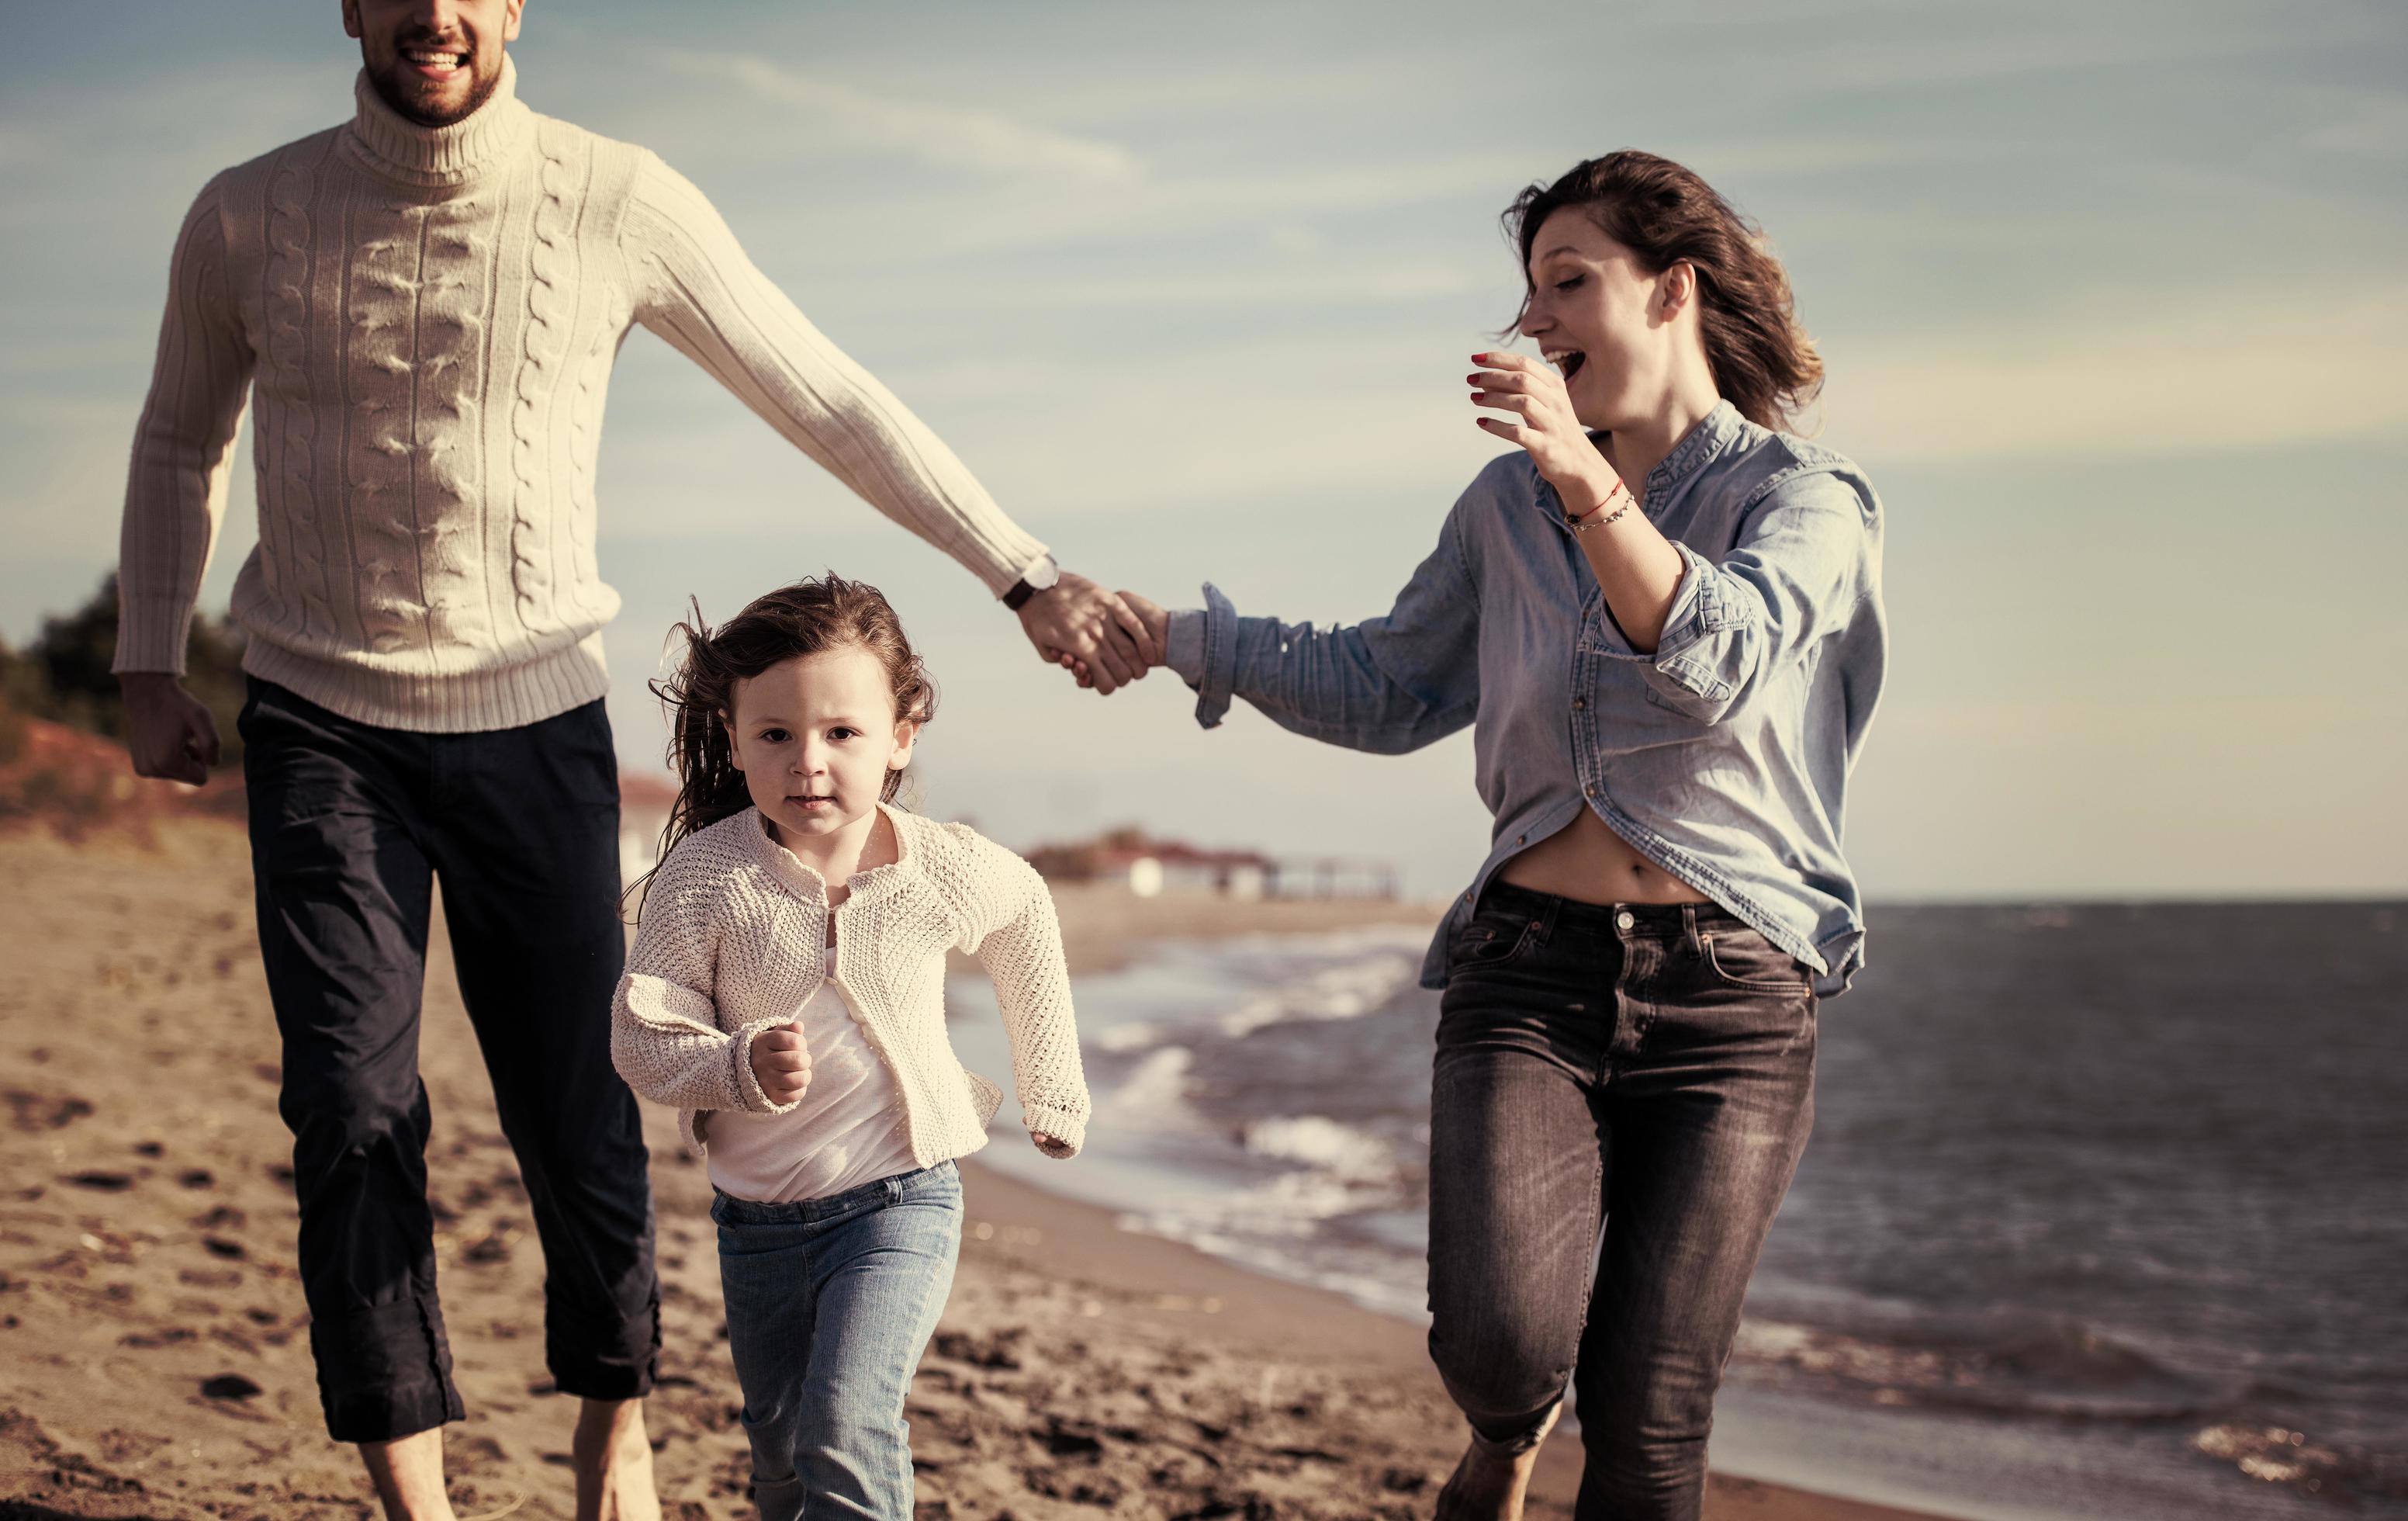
x,y
1689,930
1547,918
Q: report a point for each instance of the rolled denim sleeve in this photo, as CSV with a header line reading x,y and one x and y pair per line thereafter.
x,y
1809,555
1386,685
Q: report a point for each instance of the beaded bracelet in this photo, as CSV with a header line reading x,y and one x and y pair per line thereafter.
x,y
1590,520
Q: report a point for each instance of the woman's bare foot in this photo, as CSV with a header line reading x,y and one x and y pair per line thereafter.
x,y
613,1460
1488,1486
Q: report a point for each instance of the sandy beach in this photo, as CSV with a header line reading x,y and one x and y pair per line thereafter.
x,y
156,1360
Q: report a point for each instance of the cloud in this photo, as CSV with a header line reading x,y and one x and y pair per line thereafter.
x,y
1772,158
2207,377
1087,431
2378,127
1167,212
1323,286
2142,798
68,481
2076,40
850,118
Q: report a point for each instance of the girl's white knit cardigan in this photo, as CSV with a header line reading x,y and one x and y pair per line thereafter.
x,y
733,939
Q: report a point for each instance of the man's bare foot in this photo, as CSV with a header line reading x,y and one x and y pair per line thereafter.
x,y
1488,1486
408,1473
614,1463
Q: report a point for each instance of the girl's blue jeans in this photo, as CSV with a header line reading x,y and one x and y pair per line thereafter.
x,y
830,1302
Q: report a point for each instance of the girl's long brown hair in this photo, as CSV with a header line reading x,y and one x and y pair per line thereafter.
x,y
810,617
1762,361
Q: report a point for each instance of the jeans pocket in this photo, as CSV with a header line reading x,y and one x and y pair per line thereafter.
x,y
1491,941
1744,958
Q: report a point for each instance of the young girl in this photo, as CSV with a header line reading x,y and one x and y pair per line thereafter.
x,y
787,992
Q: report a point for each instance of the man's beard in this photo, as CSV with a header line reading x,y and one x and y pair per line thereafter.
x,y
388,88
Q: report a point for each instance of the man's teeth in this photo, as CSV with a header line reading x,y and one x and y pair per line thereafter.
x,y
437,60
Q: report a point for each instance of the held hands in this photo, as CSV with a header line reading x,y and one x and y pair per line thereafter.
x,y
168,731
1548,431
781,1064
1078,621
1156,624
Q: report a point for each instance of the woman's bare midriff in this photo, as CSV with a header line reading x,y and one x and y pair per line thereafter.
x,y
1588,863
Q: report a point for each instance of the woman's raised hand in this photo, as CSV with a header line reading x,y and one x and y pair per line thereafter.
x,y
1156,622
1553,437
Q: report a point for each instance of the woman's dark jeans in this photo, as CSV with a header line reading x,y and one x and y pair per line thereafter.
x,y
351,828
1643,1070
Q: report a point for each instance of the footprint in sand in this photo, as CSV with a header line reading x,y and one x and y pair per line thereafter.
x,y
39,1112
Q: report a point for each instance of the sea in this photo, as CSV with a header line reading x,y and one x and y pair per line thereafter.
x,y
2105,1213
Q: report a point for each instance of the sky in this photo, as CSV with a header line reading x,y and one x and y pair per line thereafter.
x,y
2115,301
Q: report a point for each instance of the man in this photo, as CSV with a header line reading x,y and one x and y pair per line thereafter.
x,y
428,299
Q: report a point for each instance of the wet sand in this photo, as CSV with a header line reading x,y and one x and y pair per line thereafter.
x,y
154,1350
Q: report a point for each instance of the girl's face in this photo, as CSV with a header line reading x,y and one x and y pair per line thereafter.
x,y
1603,321
815,737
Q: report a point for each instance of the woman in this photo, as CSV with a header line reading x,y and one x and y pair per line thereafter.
x,y
1663,621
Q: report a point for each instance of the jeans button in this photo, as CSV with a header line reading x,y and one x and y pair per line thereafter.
x,y
1625,919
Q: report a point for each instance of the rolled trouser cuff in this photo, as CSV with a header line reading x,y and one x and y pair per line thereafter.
x,y
384,1372
1504,1442
613,1358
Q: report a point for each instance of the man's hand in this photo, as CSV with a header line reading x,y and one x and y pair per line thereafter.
x,y
168,731
781,1063
1156,624
1078,621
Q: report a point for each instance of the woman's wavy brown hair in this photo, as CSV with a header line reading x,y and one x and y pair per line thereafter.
x,y
810,617
1762,361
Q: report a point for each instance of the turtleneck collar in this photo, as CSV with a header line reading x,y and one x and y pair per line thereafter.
x,y
400,149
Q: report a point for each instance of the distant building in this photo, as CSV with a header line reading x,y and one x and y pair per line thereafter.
x,y
1148,868
644,804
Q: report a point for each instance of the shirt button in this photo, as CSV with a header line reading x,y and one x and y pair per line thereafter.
x,y
1580,702
1592,789
1520,839
1625,920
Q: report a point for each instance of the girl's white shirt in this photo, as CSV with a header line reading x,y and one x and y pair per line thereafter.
x,y
847,1129
733,938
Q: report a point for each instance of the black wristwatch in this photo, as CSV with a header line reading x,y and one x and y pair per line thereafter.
x,y
1040,577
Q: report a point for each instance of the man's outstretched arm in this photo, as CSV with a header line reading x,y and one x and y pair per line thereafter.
x,y
696,289
174,499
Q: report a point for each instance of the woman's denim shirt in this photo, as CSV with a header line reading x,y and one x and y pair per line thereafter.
x,y
1723,756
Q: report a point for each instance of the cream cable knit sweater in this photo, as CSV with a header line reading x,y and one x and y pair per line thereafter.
x,y
429,319
733,939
